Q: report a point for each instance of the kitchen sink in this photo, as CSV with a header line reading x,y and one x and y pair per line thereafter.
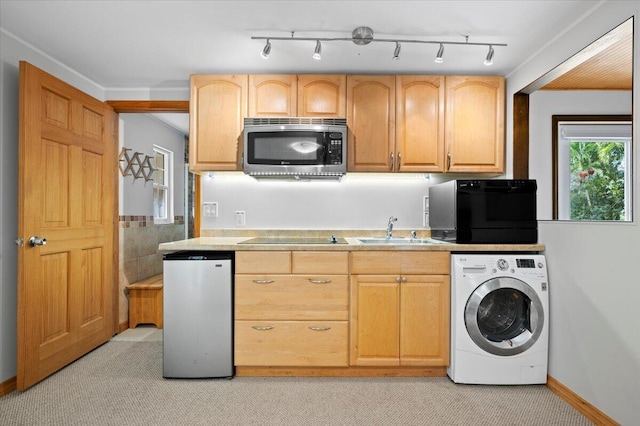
x,y
396,240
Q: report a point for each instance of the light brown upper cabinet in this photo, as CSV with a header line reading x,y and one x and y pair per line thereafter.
x,y
291,95
273,95
474,119
322,95
419,143
396,123
404,123
371,104
217,110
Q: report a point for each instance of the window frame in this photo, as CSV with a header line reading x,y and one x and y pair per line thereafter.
x,y
168,186
555,143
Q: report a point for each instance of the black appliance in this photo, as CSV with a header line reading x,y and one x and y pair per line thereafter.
x,y
484,211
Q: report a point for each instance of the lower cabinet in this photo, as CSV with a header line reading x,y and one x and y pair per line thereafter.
x,y
291,343
338,309
291,309
400,315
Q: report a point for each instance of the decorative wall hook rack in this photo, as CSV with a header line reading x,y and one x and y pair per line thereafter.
x,y
137,165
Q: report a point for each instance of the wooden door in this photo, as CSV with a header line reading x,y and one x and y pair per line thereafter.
x,y
322,95
371,105
420,123
475,124
374,320
272,95
217,110
424,320
67,194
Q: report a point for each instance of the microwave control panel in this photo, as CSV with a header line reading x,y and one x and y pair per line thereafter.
x,y
334,151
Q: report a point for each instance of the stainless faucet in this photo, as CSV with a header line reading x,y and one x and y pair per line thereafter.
x,y
390,226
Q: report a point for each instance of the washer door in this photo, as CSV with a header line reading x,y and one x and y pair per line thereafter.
x,y
504,316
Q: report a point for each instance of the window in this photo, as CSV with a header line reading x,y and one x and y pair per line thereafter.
x,y
593,170
163,186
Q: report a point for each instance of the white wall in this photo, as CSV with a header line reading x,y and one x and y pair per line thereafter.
x,y
593,280
139,132
11,52
544,104
357,202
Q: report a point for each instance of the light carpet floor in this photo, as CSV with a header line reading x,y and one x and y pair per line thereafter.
x,y
121,383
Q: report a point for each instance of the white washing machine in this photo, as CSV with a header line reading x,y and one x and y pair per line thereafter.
x,y
499,319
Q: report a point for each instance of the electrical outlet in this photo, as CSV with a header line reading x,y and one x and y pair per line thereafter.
x,y
425,220
425,203
210,209
240,219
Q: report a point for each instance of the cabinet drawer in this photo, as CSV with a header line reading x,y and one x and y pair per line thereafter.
x,y
263,262
296,297
400,262
291,343
320,262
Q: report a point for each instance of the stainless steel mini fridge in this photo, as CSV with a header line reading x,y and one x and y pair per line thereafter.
x,y
198,314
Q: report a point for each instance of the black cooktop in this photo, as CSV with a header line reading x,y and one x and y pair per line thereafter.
x,y
294,240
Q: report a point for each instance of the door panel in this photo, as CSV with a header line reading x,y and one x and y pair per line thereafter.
x,y
67,194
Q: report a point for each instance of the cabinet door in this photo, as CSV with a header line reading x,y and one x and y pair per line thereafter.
x,y
475,124
371,101
424,320
272,95
218,107
374,320
322,95
419,123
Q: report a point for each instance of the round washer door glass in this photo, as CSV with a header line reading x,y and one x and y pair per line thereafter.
x,y
504,316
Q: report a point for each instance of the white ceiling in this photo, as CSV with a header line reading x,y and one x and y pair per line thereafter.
x,y
158,44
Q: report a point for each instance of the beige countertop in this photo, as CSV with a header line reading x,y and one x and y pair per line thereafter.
x,y
232,243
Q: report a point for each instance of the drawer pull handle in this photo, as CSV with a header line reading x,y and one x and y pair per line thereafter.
x,y
263,281
319,328
263,327
319,281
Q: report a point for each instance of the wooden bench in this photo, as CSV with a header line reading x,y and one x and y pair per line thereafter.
x,y
145,302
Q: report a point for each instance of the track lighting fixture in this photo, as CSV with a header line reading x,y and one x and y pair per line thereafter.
x,y
396,53
317,54
266,50
439,59
489,60
363,36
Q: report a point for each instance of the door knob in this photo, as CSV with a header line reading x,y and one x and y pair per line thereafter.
x,y
37,241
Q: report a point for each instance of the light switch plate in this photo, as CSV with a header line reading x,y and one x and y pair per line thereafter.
x,y
240,218
210,209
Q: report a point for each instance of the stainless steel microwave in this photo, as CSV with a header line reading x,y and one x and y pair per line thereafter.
x,y
295,147
492,211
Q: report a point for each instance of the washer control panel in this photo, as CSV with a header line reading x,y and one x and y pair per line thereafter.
x,y
502,264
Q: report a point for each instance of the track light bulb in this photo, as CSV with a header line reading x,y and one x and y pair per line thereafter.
x,y
396,52
266,50
317,54
439,59
489,60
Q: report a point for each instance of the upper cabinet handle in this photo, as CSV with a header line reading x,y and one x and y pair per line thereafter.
x,y
391,161
448,160
399,161
319,281
263,281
